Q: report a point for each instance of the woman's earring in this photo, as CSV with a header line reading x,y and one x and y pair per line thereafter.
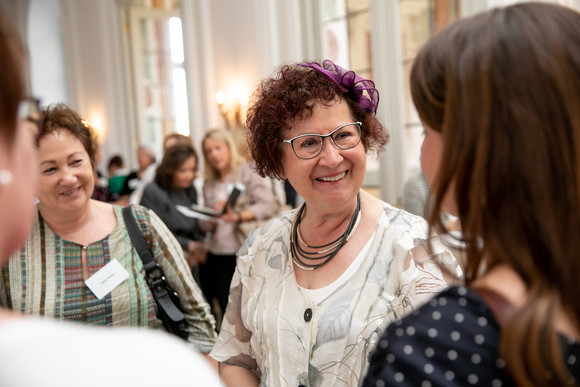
x,y
5,177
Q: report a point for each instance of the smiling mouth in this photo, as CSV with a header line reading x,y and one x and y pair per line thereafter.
x,y
332,178
67,193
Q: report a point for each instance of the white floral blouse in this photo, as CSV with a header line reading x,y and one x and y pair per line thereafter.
x,y
289,340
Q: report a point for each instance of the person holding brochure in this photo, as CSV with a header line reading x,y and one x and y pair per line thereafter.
x,y
73,237
212,214
224,170
42,352
172,187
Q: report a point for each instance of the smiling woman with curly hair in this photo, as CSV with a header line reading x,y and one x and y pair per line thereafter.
x,y
314,287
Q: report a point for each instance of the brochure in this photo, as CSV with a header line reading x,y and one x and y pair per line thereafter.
x,y
207,213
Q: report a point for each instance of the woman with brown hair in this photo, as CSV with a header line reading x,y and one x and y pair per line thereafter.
x,y
73,237
172,187
499,97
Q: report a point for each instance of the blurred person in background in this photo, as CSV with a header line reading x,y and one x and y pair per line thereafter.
x,y
117,174
116,166
173,186
149,174
224,169
146,160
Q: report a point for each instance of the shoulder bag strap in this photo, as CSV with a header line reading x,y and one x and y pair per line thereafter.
x,y
153,272
138,239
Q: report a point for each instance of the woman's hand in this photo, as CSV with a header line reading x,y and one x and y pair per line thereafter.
x,y
232,216
196,253
219,205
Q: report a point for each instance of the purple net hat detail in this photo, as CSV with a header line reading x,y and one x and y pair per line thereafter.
x,y
347,81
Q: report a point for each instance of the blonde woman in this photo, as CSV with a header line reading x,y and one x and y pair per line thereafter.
x,y
224,169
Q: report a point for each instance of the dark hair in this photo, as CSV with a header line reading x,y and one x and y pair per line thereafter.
x,y
116,161
179,139
59,117
173,158
503,88
291,95
13,62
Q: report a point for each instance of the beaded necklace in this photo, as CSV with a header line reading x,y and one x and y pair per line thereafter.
x,y
327,251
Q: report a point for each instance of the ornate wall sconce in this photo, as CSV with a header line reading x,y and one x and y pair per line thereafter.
x,y
231,107
232,103
231,112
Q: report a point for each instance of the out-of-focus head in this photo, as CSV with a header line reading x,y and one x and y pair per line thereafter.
x,y
13,88
176,138
17,155
145,156
115,163
290,96
220,153
502,89
173,163
60,117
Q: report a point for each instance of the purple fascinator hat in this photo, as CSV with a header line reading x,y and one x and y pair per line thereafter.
x,y
348,81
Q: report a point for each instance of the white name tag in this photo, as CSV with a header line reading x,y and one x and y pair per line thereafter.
x,y
107,278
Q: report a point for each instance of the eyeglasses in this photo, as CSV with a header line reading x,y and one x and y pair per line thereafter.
x,y
307,146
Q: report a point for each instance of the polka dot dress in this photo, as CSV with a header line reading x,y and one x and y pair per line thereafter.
x,y
450,341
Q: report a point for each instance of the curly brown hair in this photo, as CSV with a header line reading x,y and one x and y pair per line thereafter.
x,y
61,117
289,96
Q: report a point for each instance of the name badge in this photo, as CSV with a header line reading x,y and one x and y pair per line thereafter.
x,y
107,278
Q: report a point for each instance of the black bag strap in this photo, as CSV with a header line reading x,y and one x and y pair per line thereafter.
x,y
153,272
138,239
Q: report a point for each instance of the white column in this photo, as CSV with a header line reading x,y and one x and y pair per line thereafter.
x,y
200,68
388,78
94,61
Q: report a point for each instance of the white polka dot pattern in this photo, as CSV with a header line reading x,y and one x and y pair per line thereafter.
x,y
450,341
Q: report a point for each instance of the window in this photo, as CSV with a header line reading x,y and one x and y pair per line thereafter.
x,y
419,20
158,73
346,35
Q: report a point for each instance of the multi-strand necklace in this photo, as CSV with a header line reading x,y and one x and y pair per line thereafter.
x,y
324,252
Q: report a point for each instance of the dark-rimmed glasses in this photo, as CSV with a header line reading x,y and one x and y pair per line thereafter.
x,y
307,146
